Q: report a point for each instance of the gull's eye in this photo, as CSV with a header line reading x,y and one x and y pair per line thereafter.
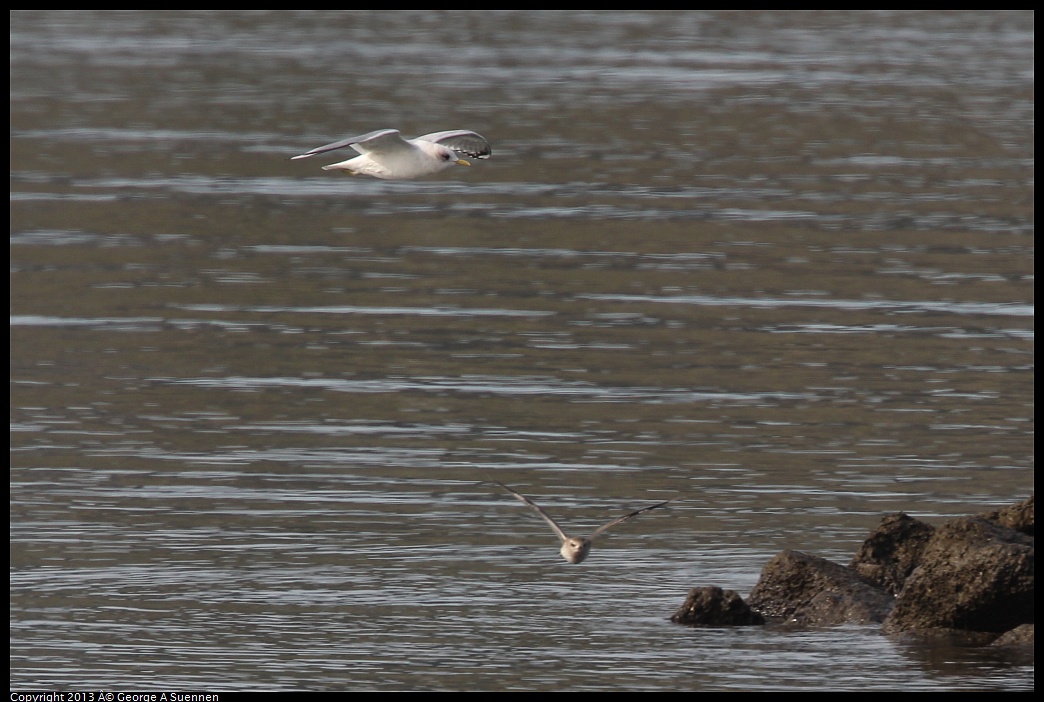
x,y
446,156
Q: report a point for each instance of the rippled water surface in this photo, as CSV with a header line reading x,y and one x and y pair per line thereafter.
x,y
779,265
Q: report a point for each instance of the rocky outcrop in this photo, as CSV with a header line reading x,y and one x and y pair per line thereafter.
x,y
971,576
811,590
712,606
1018,517
1022,635
891,553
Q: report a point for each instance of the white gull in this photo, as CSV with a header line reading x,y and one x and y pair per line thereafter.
x,y
386,154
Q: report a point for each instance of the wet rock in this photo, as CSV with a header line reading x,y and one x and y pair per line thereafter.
x,y
892,551
1021,635
973,574
712,606
965,582
814,591
1018,517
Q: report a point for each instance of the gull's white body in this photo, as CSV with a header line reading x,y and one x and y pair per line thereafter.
x,y
575,548
386,154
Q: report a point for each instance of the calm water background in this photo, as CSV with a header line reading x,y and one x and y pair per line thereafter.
x,y
777,264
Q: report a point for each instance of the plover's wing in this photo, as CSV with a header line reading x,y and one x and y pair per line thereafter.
x,y
624,518
463,141
382,140
541,512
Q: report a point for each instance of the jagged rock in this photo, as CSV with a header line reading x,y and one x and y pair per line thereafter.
x,y
1021,635
1018,517
892,551
966,581
712,606
974,574
814,591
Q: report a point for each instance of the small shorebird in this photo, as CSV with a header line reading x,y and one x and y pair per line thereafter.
x,y
575,548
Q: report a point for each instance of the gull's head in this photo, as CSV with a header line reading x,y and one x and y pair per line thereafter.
x,y
444,155
575,549
449,156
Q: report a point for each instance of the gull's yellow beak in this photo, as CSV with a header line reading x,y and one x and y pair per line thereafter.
x,y
462,162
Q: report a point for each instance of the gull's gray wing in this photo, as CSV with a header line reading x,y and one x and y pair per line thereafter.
x,y
462,141
624,518
542,513
380,140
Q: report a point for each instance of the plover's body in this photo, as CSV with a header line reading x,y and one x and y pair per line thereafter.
x,y
575,548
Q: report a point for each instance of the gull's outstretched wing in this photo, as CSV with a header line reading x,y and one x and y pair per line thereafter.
x,y
624,518
541,512
380,140
463,141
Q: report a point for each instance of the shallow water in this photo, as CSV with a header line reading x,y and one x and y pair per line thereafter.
x,y
777,264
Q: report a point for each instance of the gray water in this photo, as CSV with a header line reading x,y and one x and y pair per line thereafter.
x,y
778,265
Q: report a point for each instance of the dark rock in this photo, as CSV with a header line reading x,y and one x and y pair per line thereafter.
x,y
974,574
969,582
892,551
1018,517
712,606
815,591
1021,635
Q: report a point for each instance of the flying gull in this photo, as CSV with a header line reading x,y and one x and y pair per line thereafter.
x,y
386,154
575,548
